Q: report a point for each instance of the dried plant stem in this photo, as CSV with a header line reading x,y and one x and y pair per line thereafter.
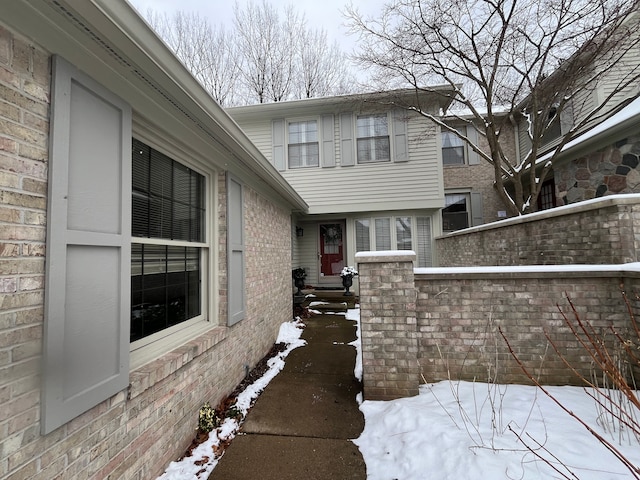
x,y
624,460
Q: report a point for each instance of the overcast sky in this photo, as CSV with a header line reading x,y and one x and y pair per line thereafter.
x,y
325,14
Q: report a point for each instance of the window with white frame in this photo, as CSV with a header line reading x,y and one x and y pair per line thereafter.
x,y
383,233
453,147
403,233
168,242
373,138
303,147
455,214
363,240
410,233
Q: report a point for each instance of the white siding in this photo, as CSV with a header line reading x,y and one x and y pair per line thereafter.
x,y
260,134
377,186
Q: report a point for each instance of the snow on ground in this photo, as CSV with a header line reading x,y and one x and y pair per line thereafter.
x,y
202,462
462,431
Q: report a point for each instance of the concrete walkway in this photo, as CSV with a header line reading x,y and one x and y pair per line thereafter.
x,y
301,425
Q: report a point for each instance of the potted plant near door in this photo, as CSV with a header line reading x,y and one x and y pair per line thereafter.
x,y
299,274
347,275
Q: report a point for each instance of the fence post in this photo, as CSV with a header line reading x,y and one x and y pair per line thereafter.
x,y
388,324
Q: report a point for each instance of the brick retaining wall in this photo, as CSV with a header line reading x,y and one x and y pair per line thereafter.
x,y
447,324
459,313
602,231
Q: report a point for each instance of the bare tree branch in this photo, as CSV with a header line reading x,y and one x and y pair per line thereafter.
x,y
514,63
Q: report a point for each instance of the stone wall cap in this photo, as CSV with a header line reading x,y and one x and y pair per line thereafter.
x,y
573,208
386,256
536,270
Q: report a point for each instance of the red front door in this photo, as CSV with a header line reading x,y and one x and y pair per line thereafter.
x,y
331,251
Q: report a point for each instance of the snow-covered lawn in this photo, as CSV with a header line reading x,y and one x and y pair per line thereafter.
x,y
451,430
462,431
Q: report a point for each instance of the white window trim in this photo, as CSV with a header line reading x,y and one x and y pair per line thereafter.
x,y
288,121
465,147
392,223
150,348
390,136
467,194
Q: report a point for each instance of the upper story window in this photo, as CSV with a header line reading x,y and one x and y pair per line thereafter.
x,y
168,242
554,128
303,147
373,138
453,148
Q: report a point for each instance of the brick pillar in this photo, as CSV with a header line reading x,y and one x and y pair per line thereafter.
x,y
388,324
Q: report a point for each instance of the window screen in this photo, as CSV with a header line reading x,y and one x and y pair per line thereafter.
x,y
452,148
363,240
303,144
383,234
403,233
373,138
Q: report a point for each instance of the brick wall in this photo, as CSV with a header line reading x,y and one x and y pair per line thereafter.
x,y
602,231
512,274
459,313
388,325
24,94
446,324
134,434
480,177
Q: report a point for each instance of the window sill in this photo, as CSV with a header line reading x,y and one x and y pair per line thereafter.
x,y
147,375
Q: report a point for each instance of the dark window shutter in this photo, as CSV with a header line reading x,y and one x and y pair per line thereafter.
x,y
87,304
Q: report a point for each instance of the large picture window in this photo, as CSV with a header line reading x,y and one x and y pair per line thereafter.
x,y
373,138
168,241
303,147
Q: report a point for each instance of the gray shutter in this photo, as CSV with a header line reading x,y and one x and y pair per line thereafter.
x,y
566,118
328,148
235,252
347,145
87,297
400,142
477,217
472,135
278,144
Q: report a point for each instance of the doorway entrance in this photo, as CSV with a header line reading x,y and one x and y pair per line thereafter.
x,y
331,251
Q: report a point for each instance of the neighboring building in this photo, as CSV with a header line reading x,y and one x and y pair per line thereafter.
x,y
470,197
603,156
371,173
145,245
